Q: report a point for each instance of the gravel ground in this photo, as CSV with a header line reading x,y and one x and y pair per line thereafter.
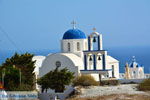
x,y
108,90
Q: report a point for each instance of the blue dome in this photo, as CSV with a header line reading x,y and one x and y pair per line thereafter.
x,y
74,34
135,64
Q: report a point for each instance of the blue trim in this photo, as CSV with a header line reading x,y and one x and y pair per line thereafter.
x,y
98,42
134,63
97,70
94,62
85,62
93,50
89,43
104,63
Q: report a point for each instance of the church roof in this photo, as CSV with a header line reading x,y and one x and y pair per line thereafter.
x,y
74,34
74,58
111,59
134,63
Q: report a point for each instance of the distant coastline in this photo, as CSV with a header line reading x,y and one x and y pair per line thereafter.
x,y
123,54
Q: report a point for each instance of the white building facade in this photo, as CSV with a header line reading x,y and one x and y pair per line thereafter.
x,y
81,54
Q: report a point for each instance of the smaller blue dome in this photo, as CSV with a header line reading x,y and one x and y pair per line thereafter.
x,y
135,64
74,34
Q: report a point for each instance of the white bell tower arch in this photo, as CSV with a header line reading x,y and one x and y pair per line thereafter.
x,y
95,38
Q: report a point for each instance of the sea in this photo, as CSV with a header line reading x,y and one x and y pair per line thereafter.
x,y
123,54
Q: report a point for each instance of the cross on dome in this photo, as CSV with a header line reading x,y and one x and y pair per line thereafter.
x,y
94,29
133,58
73,24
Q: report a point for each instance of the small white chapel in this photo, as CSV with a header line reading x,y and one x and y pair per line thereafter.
x,y
80,54
134,70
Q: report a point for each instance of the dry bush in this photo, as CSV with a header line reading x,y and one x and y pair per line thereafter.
x,y
145,85
85,80
109,82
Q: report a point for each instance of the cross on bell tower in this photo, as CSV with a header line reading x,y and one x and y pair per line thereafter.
x,y
133,58
73,24
94,29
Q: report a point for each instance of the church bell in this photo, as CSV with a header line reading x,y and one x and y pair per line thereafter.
x,y
99,58
90,58
94,39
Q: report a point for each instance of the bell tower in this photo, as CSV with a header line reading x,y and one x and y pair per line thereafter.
x,y
95,58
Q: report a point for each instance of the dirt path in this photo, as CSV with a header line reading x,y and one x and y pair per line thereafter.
x,y
120,92
108,90
116,97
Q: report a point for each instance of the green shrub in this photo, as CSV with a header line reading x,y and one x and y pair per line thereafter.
x,y
24,87
110,82
56,80
85,80
145,85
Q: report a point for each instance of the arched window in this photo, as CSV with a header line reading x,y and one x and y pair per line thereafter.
x,y
78,46
68,46
134,74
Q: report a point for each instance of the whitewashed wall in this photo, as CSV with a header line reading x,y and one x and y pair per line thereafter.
x,y
136,75
68,60
112,61
73,46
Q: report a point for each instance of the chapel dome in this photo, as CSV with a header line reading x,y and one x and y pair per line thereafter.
x,y
74,34
134,63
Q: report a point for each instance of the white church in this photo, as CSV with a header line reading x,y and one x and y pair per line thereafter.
x,y
133,70
80,54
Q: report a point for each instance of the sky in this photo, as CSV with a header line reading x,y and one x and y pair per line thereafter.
x,y
40,24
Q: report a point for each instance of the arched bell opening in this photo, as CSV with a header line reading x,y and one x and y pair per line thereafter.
x,y
99,57
99,61
95,42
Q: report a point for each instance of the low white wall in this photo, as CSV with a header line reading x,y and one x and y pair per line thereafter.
x,y
147,75
131,80
51,95
122,75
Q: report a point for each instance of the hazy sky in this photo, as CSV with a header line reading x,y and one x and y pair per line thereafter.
x,y
40,24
